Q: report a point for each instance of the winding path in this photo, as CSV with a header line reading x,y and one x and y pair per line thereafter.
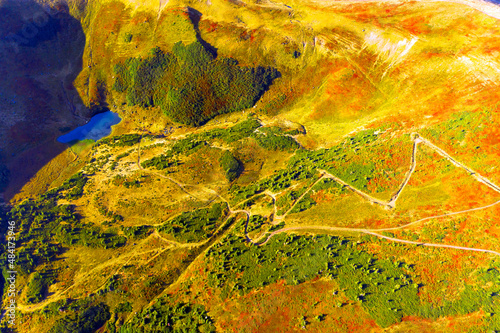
x,y
390,204
224,227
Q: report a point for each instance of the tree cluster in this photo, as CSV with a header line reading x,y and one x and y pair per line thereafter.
x,y
191,85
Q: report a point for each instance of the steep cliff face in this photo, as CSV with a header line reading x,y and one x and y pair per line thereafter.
x,y
42,50
42,47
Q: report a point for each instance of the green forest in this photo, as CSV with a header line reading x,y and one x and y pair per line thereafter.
x,y
191,85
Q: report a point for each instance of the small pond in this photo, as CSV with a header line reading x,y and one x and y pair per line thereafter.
x,y
98,127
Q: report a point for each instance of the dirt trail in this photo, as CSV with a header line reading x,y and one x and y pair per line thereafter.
x,y
224,228
303,227
413,164
391,204
281,217
485,7
368,232
355,190
432,244
134,253
80,279
387,204
437,216
474,174
273,198
217,235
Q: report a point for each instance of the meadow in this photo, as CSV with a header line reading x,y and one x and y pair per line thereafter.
x,y
259,148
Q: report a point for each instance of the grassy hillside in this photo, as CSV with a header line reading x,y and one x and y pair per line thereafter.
x,y
317,166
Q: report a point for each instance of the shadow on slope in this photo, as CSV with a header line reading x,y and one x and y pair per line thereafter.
x,y
41,50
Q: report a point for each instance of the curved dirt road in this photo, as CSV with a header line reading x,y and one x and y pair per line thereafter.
x,y
391,203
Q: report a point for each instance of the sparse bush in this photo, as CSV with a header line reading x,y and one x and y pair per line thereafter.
x,y
197,225
165,317
86,320
128,37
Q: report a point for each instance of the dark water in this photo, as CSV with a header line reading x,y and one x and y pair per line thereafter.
x,y
98,127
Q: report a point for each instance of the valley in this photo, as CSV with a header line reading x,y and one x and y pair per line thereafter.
x,y
318,166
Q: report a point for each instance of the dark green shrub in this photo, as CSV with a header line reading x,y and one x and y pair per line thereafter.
x,y
277,142
74,186
123,307
255,222
197,225
163,317
137,232
187,146
86,320
230,165
36,288
128,37
160,162
296,259
121,140
239,131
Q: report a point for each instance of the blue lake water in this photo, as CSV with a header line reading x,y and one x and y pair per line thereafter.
x,y
98,127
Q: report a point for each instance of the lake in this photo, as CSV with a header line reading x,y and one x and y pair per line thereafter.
x,y
98,127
